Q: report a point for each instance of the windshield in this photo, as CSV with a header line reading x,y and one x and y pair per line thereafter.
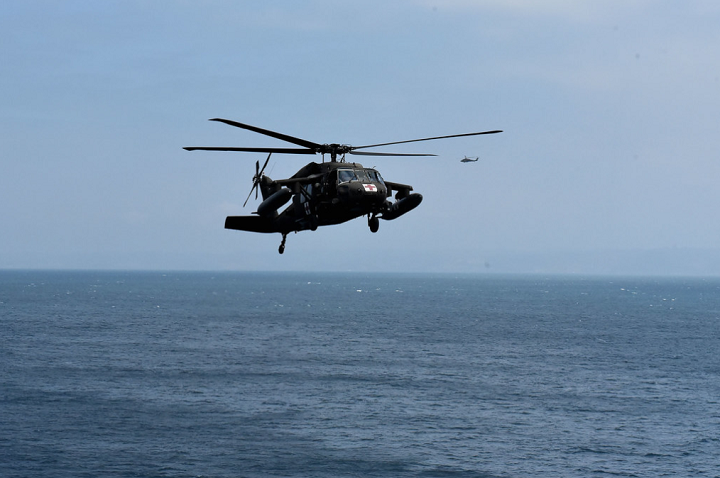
x,y
374,176
361,176
345,175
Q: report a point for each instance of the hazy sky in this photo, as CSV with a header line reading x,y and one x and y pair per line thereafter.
x,y
609,160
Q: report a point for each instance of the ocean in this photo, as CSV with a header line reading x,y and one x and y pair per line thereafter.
x,y
199,374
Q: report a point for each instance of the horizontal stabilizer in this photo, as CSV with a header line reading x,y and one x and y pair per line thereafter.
x,y
250,223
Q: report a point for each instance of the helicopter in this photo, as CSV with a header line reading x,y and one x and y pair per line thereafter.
x,y
469,160
322,194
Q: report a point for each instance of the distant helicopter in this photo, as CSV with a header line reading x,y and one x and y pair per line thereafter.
x,y
469,160
324,193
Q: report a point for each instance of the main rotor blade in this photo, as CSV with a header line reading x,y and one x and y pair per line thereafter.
x,y
267,132
367,153
251,150
428,139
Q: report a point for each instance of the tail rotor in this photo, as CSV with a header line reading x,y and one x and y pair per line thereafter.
x,y
256,178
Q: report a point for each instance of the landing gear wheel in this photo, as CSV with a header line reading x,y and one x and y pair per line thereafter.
x,y
374,223
281,249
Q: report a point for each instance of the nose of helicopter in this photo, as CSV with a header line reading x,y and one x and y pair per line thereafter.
x,y
372,192
366,193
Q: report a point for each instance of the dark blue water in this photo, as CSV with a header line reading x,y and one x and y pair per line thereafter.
x,y
252,375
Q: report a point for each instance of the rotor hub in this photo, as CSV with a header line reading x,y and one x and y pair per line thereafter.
x,y
334,149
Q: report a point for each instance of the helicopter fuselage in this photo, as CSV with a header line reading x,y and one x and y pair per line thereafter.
x,y
325,194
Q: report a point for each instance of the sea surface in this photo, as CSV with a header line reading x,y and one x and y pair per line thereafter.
x,y
149,374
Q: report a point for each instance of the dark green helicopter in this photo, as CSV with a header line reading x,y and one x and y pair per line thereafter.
x,y
324,193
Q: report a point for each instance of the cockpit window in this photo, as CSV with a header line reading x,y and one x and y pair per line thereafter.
x,y
374,176
361,176
345,175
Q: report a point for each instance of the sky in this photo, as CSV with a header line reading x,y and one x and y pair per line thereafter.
x,y
608,163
